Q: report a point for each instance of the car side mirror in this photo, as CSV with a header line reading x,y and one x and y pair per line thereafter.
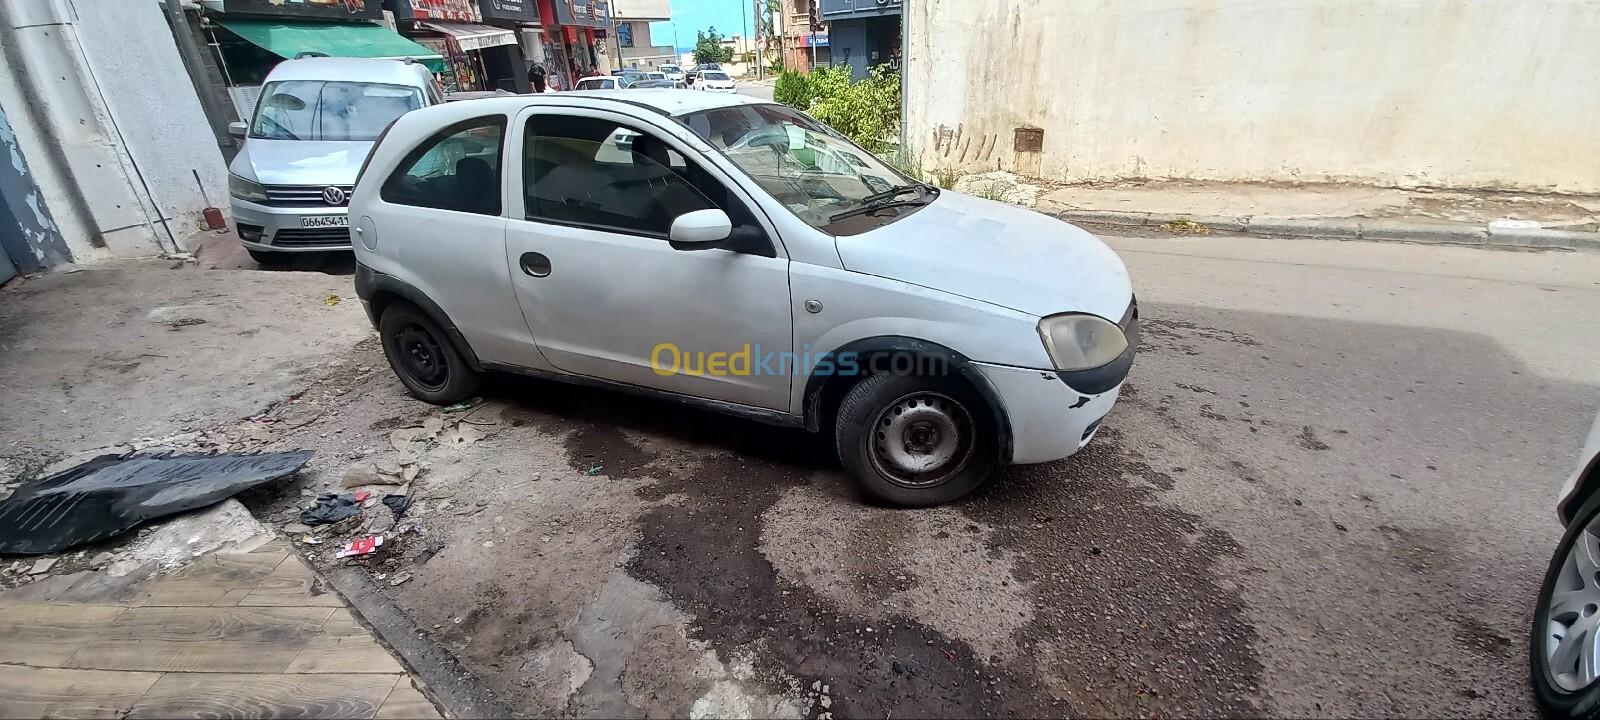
x,y
700,230
236,129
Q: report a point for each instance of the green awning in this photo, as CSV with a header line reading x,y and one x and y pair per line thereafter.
x,y
288,39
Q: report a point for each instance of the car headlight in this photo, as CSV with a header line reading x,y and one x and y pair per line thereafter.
x,y
1081,342
245,189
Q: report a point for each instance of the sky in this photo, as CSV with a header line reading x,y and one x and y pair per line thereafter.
x,y
730,17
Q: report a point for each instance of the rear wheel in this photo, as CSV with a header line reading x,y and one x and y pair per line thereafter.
x,y
423,357
1565,650
914,441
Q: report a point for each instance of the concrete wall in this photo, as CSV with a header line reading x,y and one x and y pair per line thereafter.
x,y
1456,93
111,126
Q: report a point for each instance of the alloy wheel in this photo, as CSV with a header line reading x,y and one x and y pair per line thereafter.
x,y
1572,632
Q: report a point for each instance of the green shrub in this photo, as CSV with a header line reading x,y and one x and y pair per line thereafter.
x,y
867,112
792,88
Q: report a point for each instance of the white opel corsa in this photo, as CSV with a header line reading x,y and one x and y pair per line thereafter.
x,y
738,255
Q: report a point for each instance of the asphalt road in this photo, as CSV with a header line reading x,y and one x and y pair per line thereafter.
x,y
755,90
1327,491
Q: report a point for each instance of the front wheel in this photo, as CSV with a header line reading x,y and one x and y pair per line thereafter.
x,y
423,357
1565,650
914,441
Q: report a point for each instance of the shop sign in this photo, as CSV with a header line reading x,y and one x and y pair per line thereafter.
x,y
513,10
448,10
316,9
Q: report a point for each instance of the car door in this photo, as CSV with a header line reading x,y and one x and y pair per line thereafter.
x,y
604,293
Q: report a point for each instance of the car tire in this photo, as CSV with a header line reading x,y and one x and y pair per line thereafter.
x,y
1561,695
944,449
423,357
267,259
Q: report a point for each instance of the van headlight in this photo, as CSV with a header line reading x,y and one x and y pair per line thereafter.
x,y
1081,342
245,189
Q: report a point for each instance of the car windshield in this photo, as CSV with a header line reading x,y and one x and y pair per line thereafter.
x,y
669,68
805,165
716,76
329,110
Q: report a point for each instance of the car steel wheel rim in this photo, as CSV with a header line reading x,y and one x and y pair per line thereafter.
x,y
1572,632
422,357
921,440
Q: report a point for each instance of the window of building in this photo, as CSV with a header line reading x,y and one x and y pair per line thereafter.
x,y
456,169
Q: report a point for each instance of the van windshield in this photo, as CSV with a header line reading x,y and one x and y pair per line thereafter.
x,y
328,110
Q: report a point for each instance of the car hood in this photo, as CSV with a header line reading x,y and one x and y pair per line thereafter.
x,y
300,162
995,253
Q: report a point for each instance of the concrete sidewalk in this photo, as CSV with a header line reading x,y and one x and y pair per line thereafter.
x,y
1338,211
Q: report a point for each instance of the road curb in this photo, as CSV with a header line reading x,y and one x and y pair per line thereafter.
x,y
1351,229
450,686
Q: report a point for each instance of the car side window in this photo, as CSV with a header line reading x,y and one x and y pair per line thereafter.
x,y
458,168
599,174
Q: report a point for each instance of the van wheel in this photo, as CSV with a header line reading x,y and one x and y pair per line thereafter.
x,y
422,356
914,441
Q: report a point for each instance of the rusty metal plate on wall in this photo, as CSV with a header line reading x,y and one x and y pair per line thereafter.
x,y
1029,140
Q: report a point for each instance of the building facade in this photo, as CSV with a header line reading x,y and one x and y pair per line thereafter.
x,y
802,35
632,42
863,33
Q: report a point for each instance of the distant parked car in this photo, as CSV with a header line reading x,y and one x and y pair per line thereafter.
x,y
655,85
673,72
789,276
1565,650
312,128
716,81
696,71
597,82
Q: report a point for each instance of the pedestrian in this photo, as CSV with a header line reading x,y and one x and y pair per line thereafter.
x,y
536,77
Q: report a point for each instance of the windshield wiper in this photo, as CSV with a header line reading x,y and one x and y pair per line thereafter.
x,y
889,194
880,205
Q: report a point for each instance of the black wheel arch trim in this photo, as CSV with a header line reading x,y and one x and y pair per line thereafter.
x,y
371,283
883,345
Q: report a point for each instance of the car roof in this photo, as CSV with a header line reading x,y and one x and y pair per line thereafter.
x,y
392,72
667,101
599,77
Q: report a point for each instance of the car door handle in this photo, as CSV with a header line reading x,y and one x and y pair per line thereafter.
x,y
535,264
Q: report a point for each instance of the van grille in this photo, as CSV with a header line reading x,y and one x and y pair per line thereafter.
x,y
312,237
303,195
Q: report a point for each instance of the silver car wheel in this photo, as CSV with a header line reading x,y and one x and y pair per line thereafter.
x,y
921,439
1572,634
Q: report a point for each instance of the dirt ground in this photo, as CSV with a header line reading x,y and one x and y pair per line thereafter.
x,y
1307,502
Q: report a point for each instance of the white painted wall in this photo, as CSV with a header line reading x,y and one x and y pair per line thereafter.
x,y
1455,93
111,125
642,10
155,107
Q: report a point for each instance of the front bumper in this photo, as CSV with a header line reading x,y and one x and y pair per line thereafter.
x,y
278,229
1048,419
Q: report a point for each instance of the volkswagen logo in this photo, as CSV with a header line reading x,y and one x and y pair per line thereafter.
x,y
333,195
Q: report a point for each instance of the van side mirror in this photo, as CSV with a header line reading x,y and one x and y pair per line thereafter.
x,y
236,129
700,230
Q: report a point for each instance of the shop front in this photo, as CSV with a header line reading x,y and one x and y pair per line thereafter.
x,y
478,56
573,30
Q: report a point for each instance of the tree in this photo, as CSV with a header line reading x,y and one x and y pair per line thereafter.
x,y
708,47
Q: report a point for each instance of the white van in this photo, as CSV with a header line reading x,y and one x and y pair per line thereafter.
x,y
316,121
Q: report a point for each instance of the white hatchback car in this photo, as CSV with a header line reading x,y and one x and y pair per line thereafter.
x,y
716,81
1565,649
738,255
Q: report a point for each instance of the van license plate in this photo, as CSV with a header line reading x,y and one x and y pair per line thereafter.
x,y
325,221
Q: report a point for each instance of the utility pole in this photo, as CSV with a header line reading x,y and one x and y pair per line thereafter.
x,y
760,45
